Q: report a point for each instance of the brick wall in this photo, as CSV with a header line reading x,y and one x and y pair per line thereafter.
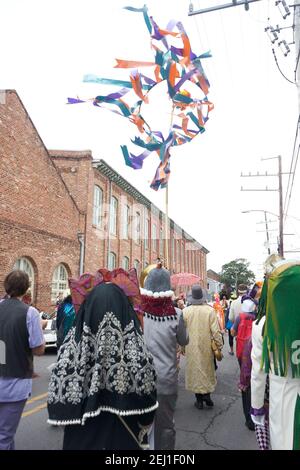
x,y
39,219
47,197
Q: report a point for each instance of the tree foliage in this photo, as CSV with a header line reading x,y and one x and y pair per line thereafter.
x,y
237,272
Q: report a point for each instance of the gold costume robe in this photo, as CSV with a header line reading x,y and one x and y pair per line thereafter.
x,y
202,325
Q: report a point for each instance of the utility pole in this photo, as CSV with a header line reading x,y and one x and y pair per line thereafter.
x,y
279,175
267,233
266,225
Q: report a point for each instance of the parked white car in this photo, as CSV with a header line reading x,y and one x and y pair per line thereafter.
x,y
50,330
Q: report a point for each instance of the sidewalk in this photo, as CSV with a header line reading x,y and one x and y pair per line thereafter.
x,y
221,427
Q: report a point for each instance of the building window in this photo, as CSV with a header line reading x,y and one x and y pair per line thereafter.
x,y
161,249
154,238
182,255
178,252
125,263
23,264
125,222
59,282
112,261
97,208
146,234
186,259
173,249
136,265
113,215
137,227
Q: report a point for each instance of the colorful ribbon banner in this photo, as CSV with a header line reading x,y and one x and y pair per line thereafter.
x,y
176,66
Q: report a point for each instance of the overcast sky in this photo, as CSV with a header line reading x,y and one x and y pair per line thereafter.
x,y
48,46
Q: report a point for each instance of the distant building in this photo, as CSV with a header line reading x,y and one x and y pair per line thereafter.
x,y
213,284
63,213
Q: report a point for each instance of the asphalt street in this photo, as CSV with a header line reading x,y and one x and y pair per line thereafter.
x,y
217,428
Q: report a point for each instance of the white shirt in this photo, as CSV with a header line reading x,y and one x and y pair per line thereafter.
x,y
235,309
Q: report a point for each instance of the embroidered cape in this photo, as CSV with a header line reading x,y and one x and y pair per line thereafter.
x,y
103,364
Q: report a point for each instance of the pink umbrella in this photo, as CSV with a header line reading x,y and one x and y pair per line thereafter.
x,y
184,279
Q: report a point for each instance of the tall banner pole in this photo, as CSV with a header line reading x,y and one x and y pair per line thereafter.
x,y
167,226
167,205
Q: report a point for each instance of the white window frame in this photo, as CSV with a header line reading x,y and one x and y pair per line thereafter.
x,y
125,263
125,222
173,249
59,282
137,228
146,233
113,213
112,260
24,264
136,265
154,237
97,206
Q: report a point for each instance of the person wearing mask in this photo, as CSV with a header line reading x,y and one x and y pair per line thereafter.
x,y
276,354
163,329
229,324
103,387
235,307
202,325
65,317
242,329
21,338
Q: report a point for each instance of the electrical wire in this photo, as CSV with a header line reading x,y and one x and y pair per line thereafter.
x,y
290,170
294,172
226,50
276,61
210,65
296,68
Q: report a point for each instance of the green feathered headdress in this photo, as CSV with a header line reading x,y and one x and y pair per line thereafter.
x,y
280,302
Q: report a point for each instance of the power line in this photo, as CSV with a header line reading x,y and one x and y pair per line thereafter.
x,y
297,63
291,172
293,178
276,61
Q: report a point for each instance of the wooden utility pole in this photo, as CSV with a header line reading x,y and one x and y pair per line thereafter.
x,y
167,204
167,227
267,233
280,191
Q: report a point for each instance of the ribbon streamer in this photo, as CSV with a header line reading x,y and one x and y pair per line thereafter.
x,y
177,66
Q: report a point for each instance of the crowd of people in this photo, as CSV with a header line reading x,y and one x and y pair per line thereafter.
x,y
115,383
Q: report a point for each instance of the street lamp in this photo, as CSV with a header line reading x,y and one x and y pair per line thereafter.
x,y
260,210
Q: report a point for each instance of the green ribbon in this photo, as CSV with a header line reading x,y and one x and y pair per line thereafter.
x,y
296,443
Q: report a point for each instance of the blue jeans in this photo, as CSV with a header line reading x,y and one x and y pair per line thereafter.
x,y
10,415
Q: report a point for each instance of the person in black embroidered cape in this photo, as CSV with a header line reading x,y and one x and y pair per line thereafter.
x,y
103,387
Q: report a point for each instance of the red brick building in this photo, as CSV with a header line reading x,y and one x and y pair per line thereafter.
x,y
63,213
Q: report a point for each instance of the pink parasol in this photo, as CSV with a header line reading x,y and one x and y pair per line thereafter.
x,y
184,279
